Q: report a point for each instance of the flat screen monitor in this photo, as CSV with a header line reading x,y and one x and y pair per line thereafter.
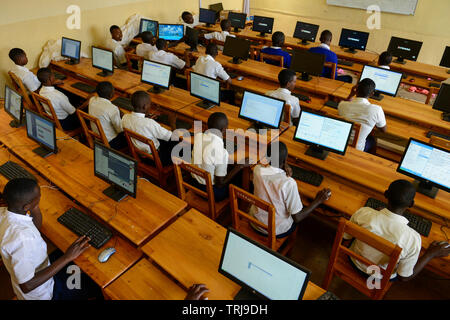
x,y
237,20
306,32
386,81
116,169
171,32
263,110
205,88
323,134
103,60
156,74
42,131
237,48
207,16
308,63
71,49
191,38
404,49
353,40
149,25
263,25
442,102
14,107
216,7
428,164
262,272
445,61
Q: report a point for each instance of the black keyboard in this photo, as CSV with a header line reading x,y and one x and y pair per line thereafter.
x,y
345,62
83,87
332,104
59,76
123,103
437,134
302,97
11,170
307,176
418,223
81,224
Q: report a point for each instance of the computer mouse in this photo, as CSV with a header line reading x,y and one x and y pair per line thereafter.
x,y
240,78
106,254
444,242
412,80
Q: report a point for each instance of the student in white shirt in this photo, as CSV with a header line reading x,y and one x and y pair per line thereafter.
x,y
273,183
390,224
189,20
384,60
109,115
287,79
362,111
169,58
29,80
114,44
225,25
147,47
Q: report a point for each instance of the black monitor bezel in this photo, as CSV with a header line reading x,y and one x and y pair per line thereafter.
x,y
208,22
217,5
141,23
236,39
152,83
242,26
55,149
307,52
385,70
309,24
403,57
112,59
21,105
79,48
263,31
353,47
441,90
195,32
169,24
445,58
198,96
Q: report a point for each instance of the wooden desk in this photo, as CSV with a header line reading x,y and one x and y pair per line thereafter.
x,y
422,69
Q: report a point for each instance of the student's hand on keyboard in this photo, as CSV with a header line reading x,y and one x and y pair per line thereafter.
x,y
438,249
197,292
323,195
77,248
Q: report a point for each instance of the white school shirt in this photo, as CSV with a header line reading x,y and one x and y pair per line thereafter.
x,y
109,116
274,186
146,127
145,50
209,67
118,50
28,78
362,111
24,253
220,36
285,94
392,227
210,155
193,25
60,102
168,58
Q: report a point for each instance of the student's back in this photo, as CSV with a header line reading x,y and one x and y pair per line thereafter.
x,y
276,49
29,80
330,56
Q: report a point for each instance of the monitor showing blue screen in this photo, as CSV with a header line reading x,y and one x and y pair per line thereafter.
x,y
149,25
262,109
171,32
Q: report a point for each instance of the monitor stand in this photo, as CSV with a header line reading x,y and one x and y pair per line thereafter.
x,y
303,42
114,193
235,61
236,30
425,188
305,77
208,25
156,89
42,152
105,73
193,48
246,294
448,71
16,124
400,61
258,126
73,61
351,50
205,104
317,152
261,34
377,96
446,116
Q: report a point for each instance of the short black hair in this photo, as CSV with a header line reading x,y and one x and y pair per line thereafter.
x,y
218,120
147,36
212,49
19,192
44,74
105,90
161,44
401,194
113,27
278,39
326,36
365,88
285,76
385,59
225,24
185,14
282,153
139,99
15,53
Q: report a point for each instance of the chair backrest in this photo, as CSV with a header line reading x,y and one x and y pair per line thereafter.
x,y
264,57
20,87
87,121
239,195
255,51
46,109
440,142
131,57
355,134
287,114
137,153
431,92
333,66
187,73
217,42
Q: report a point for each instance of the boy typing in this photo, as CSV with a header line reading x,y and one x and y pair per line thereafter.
x,y
277,43
225,25
115,46
146,48
20,59
168,58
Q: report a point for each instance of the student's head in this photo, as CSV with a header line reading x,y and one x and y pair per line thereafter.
x,y
147,37
287,79
225,25
400,195
161,44
116,33
385,59
105,90
46,76
22,195
365,88
212,49
326,36
187,17
141,102
18,56
278,39
277,152
218,121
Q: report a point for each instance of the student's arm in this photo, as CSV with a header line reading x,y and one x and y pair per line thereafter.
x,y
196,292
160,132
37,217
222,74
352,93
116,120
66,105
381,120
322,196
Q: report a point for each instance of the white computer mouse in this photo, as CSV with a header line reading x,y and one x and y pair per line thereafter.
x,y
240,78
106,254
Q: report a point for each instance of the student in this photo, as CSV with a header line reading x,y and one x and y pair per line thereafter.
x,y
34,276
65,111
287,79
146,48
30,81
116,47
278,42
225,25
362,111
385,60
109,115
390,224
169,58
324,48
189,20
274,183
137,122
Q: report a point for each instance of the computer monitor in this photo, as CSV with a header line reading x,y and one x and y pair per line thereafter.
x,y
205,88
149,25
207,16
14,107
353,40
429,165
445,61
262,25
71,49
42,131
237,48
262,110
237,20
156,74
216,7
322,134
192,38
117,169
306,32
404,49
104,60
386,81
308,63
261,272
442,102
171,32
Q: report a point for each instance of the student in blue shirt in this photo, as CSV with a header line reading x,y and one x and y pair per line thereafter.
x,y
275,49
324,48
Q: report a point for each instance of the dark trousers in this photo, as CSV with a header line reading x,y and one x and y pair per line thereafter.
x,y
165,153
370,144
71,122
345,78
221,193
281,235
119,142
227,96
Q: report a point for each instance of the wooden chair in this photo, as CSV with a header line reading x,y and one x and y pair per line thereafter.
x,y
333,68
20,88
431,91
287,114
87,121
440,142
354,134
255,51
339,264
131,57
271,57
157,171
203,201
241,221
219,43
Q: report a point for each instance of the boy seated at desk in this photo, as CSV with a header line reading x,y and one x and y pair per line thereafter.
x,y
116,47
277,43
390,224
102,108
363,112
384,60
147,47
324,48
35,275
225,25
189,20
29,80
287,79
274,184
162,56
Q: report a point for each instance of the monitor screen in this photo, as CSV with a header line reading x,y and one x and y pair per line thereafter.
x,y
307,62
442,102
70,48
326,132
426,163
237,19
353,39
262,109
149,25
207,16
41,130
217,7
306,31
191,37
386,81
262,24
13,104
445,61
102,59
404,48
171,32
236,48
205,88
115,168
268,273
156,73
